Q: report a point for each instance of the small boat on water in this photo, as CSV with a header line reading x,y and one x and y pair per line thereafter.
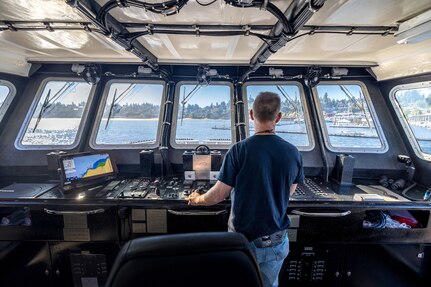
x,y
349,134
221,128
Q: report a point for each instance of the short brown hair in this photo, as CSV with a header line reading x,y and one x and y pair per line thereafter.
x,y
266,106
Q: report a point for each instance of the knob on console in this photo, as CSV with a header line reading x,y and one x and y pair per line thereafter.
x,y
200,190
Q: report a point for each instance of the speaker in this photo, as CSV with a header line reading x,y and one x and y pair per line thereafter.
x,y
146,160
343,171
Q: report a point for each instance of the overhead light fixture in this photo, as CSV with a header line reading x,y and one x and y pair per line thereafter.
x,y
276,73
415,30
144,70
338,72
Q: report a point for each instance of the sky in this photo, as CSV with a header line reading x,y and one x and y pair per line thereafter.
x,y
253,90
291,90
423,91
150,93
138,94
4,91
78,94
217,93
334,91
206,94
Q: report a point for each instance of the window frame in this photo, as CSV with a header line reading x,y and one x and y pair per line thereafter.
x,y
176,110
31,110
101,108
376,121
402,119
9,97
307,118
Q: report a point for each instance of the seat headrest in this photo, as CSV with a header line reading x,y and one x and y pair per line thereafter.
x,y
190,243
191,259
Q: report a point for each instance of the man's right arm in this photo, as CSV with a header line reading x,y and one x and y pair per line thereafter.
x,y
292,188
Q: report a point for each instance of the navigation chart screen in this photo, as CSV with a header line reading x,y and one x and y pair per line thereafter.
x,y
82,167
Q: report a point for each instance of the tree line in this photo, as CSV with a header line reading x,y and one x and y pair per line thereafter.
x,y
138,111
414,103
213,111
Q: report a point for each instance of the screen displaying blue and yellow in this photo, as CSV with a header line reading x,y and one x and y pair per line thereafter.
x,y
81,167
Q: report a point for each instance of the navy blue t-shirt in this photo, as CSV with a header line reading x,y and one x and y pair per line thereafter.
x,y
261,169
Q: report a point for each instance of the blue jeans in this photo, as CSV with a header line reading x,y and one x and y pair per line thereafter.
x,y
270,260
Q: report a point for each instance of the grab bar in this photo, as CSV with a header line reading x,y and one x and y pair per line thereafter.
x,y
197,212
321,214
61,212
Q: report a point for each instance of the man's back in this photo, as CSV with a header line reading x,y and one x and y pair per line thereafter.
x,y
261,168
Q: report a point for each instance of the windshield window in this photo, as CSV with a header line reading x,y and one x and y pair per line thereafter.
x,y
204,115
57,115
5,98
349,122
4,91
414,106
294,125
130,115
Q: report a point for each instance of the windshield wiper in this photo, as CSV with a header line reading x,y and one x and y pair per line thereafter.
x,y
361,106
45,105
116,100
187,98
48,102
110,109
294,104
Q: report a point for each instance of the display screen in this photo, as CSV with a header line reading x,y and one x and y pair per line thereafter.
x,y
87,166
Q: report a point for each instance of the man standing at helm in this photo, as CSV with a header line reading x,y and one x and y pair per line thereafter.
x,y
264,170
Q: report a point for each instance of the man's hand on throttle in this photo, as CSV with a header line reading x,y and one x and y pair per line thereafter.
x,y
195,198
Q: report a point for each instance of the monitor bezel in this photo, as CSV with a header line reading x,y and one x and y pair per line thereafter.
x,y
68,185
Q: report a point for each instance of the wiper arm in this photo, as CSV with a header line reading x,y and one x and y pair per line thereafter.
x,y
116,100
187,98
355,102
125,93
111,109
67,87
294,104
45,106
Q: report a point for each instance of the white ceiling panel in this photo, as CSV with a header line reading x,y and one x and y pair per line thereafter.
x,y
391,59
80,45
333,46
187,48
368,12
37,10
403,60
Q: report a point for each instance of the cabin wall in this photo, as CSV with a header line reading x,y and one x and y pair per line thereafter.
x,y
10,157
423,167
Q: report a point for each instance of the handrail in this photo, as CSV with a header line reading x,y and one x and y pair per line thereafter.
x,y
321,214
197,212
61,212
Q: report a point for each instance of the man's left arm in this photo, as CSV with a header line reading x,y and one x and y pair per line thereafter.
x,y
216,194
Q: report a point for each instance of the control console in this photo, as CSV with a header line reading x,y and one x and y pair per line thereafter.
x,y
168,188
175,188
313,190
